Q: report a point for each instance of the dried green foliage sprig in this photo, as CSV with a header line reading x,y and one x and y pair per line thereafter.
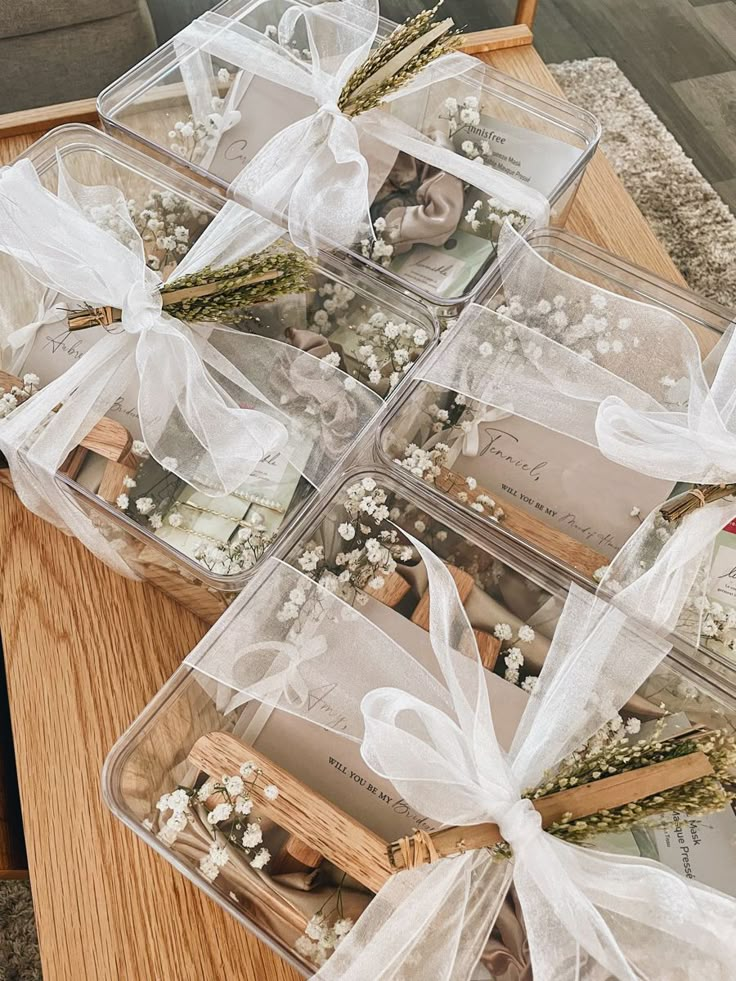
x,y
257,278
614,754
216,293
408,50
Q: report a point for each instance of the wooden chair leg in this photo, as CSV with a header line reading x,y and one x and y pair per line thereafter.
x,y
525,12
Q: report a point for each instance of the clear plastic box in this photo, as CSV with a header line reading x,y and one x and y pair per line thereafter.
x,y
586,478
497,581
544,139
342,303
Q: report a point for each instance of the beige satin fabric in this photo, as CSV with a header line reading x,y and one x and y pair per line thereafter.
x,y
440,202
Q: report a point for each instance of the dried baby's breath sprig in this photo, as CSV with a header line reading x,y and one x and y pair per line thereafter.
x,y
226,804
619,754
214,294
408,50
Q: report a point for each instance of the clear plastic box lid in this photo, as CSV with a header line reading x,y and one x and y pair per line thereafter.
x,y
596,504
346,310
499,583
527,133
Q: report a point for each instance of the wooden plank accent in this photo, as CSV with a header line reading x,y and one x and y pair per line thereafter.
x,y
606,794
479,42
526,526
300,810
41,120
489,646
392,592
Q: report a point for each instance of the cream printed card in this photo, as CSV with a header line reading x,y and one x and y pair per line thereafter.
x,y
536,160
563,482
257,109
334,767
56,348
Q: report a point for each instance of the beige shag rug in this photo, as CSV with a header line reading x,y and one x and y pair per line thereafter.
x,y
691,220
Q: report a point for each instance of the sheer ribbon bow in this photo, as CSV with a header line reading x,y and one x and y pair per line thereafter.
x,y
429,730
200,415
320,170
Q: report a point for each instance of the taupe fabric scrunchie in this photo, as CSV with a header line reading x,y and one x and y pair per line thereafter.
x,y
439,202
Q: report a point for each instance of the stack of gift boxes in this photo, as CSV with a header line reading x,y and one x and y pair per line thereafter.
x,y
316,368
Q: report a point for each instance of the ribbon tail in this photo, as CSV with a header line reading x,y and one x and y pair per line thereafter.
x,y
590,916
431,922
190,424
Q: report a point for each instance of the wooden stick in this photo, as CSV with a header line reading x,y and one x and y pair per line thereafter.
x,y
295,856
300,810
697,497
496,40
489,647
537,532
601,795
172,296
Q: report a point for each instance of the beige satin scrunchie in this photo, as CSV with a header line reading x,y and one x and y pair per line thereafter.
x,y
439,208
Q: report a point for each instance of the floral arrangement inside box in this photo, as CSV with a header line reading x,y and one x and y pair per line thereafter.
x,y
306,873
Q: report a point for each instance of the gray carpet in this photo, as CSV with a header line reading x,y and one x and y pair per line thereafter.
x,y
19,960
690,219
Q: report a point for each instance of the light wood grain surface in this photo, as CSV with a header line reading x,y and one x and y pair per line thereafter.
x,y
85,652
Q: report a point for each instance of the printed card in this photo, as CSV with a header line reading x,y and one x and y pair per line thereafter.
x,y
562,481
263,108
532,158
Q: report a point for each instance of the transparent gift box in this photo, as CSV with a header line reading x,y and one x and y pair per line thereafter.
x,y
198,548
513,602
560,495
436,233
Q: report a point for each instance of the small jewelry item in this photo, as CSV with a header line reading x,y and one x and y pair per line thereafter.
x,y
261,502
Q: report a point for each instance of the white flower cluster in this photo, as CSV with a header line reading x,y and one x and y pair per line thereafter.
x,y
235,804
375,552
167,224
513,656
191,138
586,326
425,464
239,554
718,624
461,114
389,348
18,394
333,304
486,217
378,248
320,938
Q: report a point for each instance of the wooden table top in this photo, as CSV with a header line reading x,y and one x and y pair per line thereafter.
x,y
86,650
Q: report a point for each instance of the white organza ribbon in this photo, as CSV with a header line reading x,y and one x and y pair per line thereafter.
x,y
317,169
429,730
623,376
200,414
